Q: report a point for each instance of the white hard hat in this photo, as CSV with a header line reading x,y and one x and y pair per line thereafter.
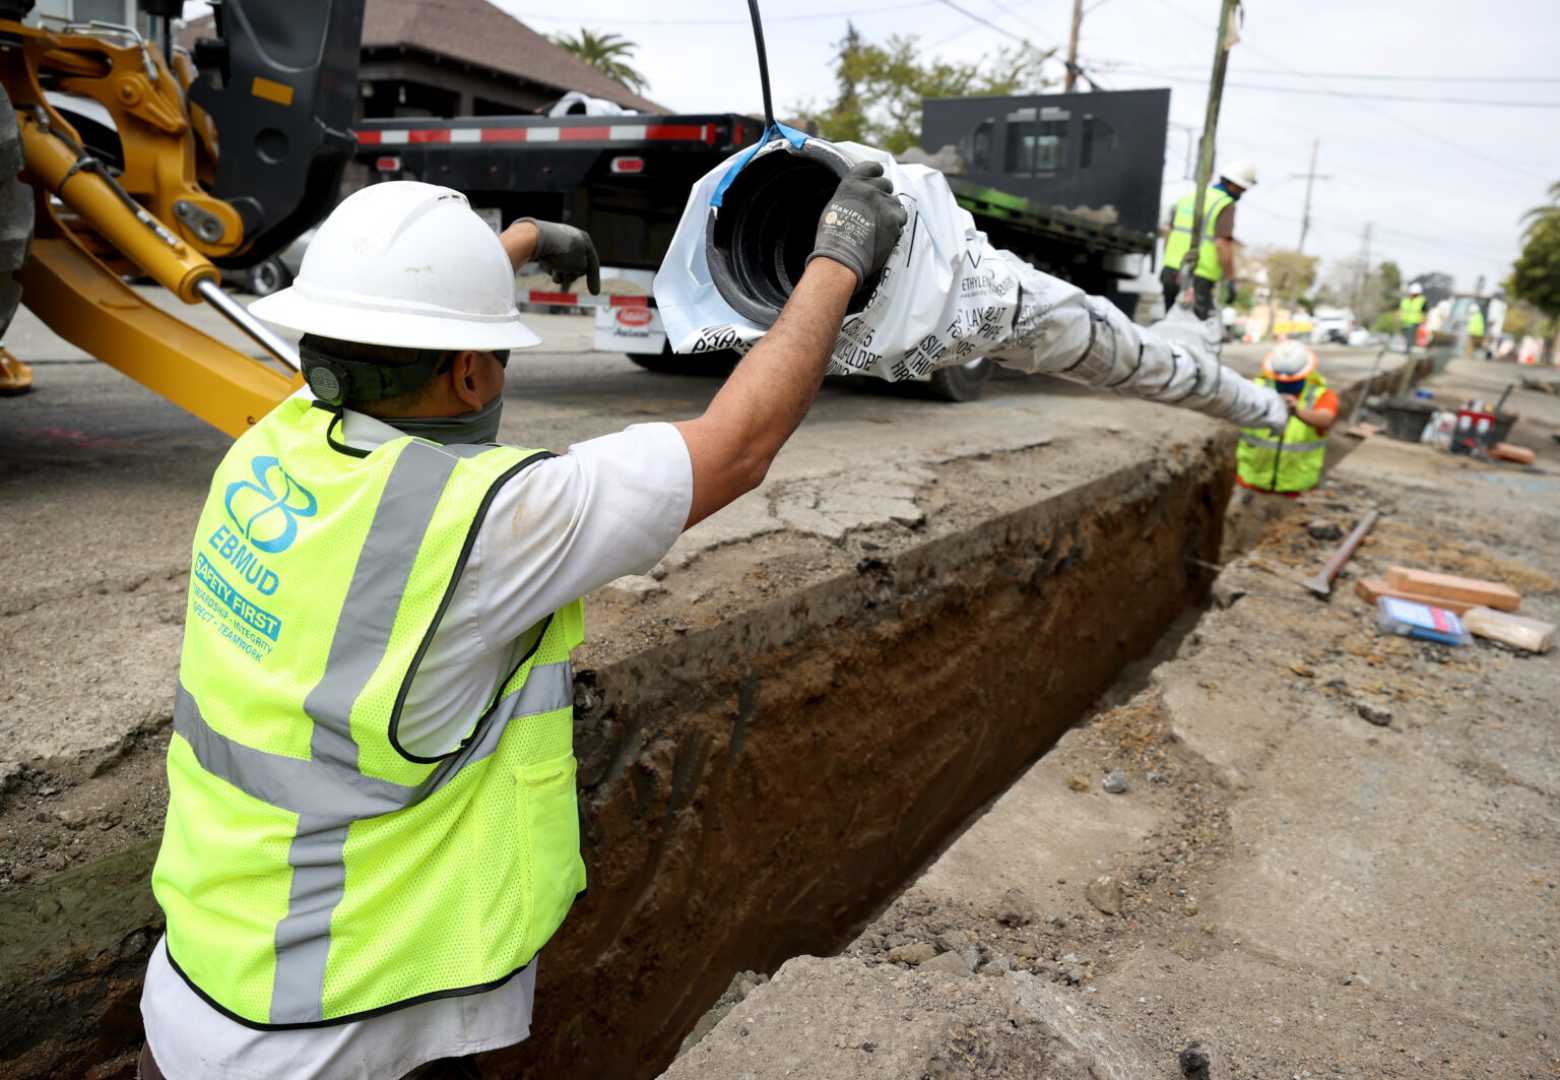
x,y
1243,173
1415,289
404,264
1290,361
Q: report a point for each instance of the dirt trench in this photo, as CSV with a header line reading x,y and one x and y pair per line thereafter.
x,y
757,783
758,790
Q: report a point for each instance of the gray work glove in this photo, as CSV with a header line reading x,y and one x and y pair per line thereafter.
x,y
1229,293
861,223
566,252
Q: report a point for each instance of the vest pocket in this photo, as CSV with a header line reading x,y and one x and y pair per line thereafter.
x,y
551,814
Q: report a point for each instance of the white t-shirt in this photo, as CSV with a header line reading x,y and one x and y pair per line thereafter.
x,y
556,531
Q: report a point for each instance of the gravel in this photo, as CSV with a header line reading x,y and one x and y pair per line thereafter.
x,y
1375,715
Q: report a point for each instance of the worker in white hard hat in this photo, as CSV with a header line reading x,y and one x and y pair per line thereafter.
x,y
372,822
1214,260
1411,314
1291,461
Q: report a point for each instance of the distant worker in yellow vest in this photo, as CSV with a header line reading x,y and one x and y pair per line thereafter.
x,y
1411,314
372,812
1216,254
1292,462
1475,329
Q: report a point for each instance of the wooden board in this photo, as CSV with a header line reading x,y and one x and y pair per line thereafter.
x,y
1472,592
1372,589
1518,631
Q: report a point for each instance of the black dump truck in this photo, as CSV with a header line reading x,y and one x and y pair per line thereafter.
x,y
1070,182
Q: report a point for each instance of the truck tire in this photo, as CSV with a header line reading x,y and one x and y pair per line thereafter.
x,y
669,363
16,214
962,382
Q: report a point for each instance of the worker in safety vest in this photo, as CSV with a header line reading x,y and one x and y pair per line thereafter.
x,y
1475,329
1291,461
372,821
1216,253
1411,314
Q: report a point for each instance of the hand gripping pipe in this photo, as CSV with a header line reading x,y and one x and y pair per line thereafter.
x,y
945,297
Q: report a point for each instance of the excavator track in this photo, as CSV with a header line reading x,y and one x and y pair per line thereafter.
x,y
16,213
16,216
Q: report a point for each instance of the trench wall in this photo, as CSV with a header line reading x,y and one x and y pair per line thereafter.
x,y
752,790
757,790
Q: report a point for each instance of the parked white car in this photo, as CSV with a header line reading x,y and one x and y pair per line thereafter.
x,y
1332,326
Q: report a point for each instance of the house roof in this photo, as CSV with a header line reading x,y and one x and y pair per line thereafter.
x,y
475,32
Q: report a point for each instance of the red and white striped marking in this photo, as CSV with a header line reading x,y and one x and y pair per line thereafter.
x,y
704,133
569,299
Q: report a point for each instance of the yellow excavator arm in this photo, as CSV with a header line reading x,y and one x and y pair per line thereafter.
x,y
136,202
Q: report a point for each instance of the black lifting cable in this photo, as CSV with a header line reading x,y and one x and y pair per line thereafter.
x,y
763,64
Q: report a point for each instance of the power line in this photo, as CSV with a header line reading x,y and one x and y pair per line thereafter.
x,y
1005,32
1352,75
1437,243
1424,132
1354,95
812,16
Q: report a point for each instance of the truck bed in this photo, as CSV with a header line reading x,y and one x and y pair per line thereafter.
x,y
624,179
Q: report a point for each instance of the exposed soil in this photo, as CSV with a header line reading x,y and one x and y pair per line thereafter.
x,y
1326,664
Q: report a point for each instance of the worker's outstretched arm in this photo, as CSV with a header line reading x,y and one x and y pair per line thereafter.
x,y
732,445
562,250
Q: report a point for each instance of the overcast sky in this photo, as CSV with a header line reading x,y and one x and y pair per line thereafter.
x,y
1443,185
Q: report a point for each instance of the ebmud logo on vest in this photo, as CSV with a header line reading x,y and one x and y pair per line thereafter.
x,y
268,507
265,511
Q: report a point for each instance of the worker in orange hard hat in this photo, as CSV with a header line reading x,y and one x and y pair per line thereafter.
x,y
1291,463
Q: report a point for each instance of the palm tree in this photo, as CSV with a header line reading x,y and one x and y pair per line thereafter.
x,y
607,53
1550,211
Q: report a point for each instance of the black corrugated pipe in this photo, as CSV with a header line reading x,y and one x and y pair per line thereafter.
x,y
758,238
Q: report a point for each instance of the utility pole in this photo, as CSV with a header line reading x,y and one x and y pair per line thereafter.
x,y
1191,143
1364,279
1310,178
1072,47
1228,35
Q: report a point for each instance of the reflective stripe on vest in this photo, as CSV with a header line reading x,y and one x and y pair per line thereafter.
x,y
1293,463
1180,239
313,870
1411,310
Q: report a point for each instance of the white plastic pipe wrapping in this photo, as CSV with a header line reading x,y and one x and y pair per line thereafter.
x,y
948,296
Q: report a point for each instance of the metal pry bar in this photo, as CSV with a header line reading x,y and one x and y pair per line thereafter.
x,y
1320,582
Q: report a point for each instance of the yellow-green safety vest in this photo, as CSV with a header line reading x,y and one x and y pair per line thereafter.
x,y
1411,310
1476,322
1180,239
312,869
1291,464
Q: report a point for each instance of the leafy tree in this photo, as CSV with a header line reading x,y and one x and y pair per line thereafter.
x,y
1536,275
881,87
1368,295
1550,209
607,53
1391,279
1290,274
